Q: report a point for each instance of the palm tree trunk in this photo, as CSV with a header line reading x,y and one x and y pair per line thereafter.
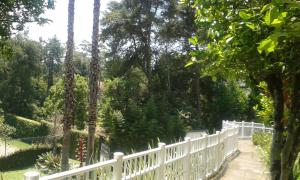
x,y
69,87
93,83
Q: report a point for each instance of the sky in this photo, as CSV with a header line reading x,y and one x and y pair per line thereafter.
x,y
82,24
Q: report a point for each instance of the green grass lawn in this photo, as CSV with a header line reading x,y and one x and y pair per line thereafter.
x,y
16,174
18,144
19,173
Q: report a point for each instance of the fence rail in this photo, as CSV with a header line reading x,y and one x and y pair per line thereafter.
x,y
191,159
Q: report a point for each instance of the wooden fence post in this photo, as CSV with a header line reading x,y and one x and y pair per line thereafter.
x,y
161,161
32,175
187,159
118,167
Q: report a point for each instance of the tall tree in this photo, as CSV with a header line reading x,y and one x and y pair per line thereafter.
x,y
130,28
69,88
259,40
53,52
93,83
20,69
15,14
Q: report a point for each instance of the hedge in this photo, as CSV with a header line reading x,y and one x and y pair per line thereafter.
x,y
31,128
22,158
26,127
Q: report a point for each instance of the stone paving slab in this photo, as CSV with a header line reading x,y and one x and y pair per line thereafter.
x,y
247,165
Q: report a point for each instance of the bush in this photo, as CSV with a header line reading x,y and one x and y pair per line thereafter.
x,y
6,130
23,158
263,140
54,101
26,127
48,163
30,128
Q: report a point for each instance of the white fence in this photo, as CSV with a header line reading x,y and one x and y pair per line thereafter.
x,y
192,159
246,129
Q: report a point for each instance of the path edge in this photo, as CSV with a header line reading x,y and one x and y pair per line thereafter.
x,y
218,174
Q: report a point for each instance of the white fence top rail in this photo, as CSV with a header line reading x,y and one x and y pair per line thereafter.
x,y
191,159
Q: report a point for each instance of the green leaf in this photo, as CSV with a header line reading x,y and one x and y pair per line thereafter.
x,y
250,25
269,44
189,64
276,23
194,40
271,14
283,14
244,15
265,7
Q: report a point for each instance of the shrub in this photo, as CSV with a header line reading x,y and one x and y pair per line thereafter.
x,y
263,140
26,127
48,163
22,158
6,130
30,128
54,101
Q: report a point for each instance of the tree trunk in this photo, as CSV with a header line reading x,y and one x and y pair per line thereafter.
x,y
275,87
69,87
93,83
289,151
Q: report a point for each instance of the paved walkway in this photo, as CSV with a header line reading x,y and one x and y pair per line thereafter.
x,y
247,165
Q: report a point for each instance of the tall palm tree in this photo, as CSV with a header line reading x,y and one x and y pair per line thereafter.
x,y
93,83
69,87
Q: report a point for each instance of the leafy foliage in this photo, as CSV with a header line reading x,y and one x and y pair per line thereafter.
x,y
5,130
257,41
52,52
26,127
131,123
14,14
48,163
264,109
20,88
54,102
263,141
